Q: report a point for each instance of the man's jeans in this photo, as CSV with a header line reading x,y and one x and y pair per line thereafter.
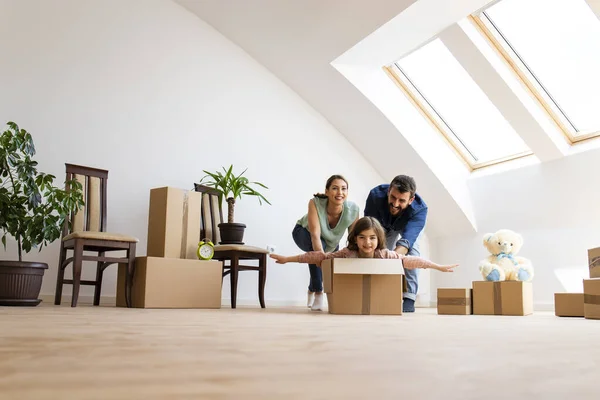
x,y
412,275
302,238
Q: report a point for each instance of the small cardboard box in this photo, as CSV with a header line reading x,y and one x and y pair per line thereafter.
x,y
451,301
172,283
594,262
591,298
363,286
502,298
568,304
173,223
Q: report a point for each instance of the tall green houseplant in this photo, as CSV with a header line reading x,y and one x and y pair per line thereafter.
x,y
32,210
232,187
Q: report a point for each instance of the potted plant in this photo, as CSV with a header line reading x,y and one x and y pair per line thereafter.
x,y
32,211
232,187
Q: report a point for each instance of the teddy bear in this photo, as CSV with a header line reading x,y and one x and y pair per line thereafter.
x,y
503,264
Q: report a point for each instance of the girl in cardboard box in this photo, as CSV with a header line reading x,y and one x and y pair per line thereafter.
x,y
365,240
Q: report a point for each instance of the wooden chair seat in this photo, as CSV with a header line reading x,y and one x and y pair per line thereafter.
x,y
239,247
115,237
211,215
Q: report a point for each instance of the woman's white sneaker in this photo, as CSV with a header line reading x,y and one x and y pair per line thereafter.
x,y
318,303
311,298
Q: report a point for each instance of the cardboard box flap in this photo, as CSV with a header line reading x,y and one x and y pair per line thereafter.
x,y
367,266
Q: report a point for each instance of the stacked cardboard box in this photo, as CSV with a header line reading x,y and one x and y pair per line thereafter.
x,y
171,276
363,286
591,287
586,304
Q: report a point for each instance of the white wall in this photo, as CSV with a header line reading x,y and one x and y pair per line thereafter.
x,y
554,205
150,92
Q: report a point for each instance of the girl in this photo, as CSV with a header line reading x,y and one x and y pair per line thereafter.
x,y
365,240
321,229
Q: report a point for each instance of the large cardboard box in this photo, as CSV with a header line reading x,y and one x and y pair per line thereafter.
x,y
591,298
173,223
594,262
172,283
363,286
502,298
454,301
568,304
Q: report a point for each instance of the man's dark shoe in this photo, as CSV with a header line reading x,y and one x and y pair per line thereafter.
x,y
408,305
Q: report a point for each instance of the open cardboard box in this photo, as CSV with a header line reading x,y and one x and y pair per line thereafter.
x,y
363,286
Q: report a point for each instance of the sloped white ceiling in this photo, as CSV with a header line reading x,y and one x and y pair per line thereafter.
x,y
297,41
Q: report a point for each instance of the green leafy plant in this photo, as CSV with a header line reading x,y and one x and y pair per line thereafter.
x,y
232,187
32,209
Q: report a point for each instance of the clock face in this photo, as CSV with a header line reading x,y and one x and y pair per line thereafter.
x,y
206,251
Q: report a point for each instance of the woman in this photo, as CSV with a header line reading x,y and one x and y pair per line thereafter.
x,y
321,229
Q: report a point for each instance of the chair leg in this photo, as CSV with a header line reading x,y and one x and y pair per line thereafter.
x,y
60,275
77,264
262,279
234,279
130,272
99,274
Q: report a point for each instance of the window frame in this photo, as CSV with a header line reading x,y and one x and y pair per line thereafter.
x,y
437,122
531,82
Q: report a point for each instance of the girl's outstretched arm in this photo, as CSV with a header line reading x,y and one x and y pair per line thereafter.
x,y
414,262
312,257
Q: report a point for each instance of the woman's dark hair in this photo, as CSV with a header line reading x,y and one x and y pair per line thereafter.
x,y
362,225
328,185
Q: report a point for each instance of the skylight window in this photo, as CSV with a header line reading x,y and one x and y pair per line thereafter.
x,y
457,106
554,45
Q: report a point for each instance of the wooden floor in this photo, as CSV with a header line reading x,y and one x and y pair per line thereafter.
x,y
52,352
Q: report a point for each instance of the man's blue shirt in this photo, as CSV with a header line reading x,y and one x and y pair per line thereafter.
x,y
409,224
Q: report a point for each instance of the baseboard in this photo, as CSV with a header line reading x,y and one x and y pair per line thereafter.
x,y
111,301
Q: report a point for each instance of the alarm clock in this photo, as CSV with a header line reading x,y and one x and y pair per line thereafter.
x,y
206,249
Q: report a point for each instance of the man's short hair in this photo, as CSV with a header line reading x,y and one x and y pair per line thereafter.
x,y
403,184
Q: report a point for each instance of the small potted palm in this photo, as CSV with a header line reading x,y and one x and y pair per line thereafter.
x,y
32,211
232,187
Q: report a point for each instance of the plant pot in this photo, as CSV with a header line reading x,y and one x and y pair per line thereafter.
x,y
20,282
231,233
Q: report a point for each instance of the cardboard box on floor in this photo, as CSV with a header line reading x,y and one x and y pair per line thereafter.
x,y
363,286
173,223
172,283
568,304
594,262
591,298
451,301
502,298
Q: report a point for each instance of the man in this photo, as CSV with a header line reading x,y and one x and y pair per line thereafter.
x,y
402,213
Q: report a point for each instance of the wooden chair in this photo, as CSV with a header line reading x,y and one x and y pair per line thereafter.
x,y
88,233
211,216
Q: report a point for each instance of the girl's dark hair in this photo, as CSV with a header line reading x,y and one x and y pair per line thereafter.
x,y
363,224
328,185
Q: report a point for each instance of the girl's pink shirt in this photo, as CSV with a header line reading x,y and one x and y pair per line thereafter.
x,y
408,262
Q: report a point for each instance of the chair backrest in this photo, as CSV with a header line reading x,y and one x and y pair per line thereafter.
x,y
92,217
211,213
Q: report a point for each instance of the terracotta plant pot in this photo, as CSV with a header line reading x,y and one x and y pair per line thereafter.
x,y
20,282
231,233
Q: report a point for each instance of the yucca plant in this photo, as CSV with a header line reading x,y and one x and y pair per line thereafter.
x,y
232,187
